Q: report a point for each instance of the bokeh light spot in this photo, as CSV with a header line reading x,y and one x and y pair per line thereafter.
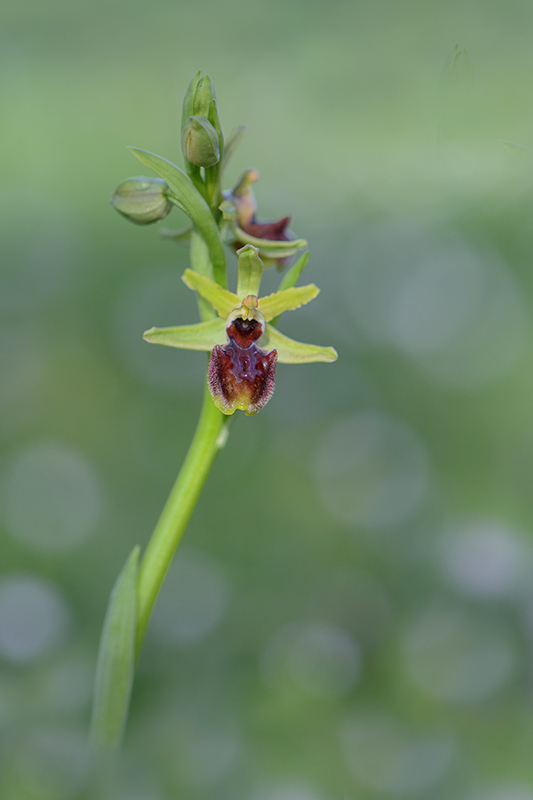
x,y
386,758
34,618
52,497
452,306
318,659
52,764
485,559
287,791
192,600
371,470
459,657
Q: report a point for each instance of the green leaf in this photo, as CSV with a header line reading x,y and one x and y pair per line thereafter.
x,y
290,279
250,270
202,336
294,272
116,659
286,300
223,301
193,204
292,352
231,144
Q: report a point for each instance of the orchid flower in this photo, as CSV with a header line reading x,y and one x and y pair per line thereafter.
x,y
244,345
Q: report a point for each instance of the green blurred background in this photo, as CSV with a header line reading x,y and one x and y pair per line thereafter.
x,y
351,612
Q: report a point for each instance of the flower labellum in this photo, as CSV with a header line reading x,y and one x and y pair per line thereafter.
x,y
241,374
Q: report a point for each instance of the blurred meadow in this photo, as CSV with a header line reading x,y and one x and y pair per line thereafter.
x,y
351,612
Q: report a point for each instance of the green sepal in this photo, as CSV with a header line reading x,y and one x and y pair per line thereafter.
x,y
201,336
212,116
223,301
275,304
229,210
250,271
270,247
116,659
231,144
203,97
292,352
188,109
192,203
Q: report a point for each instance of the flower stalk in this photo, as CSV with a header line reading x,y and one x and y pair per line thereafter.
x,y
239,331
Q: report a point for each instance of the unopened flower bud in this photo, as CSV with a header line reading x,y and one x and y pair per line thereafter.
x,y
142,200
199,142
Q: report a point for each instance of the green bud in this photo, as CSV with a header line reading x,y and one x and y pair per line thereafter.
x,y
204,96
188,100
200,101
199,142
142,200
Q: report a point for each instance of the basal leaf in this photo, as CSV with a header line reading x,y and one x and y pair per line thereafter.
x,y
116,659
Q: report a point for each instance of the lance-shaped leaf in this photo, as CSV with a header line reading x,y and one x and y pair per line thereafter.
x,y
275,304
231,144
292,352
193,204
290,277
250,271
116,658
222,300
202,336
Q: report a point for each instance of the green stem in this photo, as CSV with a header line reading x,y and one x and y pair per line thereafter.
x,y
208,439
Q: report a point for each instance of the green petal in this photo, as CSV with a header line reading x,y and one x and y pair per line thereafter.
x,y
292,352
271,247
286,300
194,205
223,302
202,336
250,272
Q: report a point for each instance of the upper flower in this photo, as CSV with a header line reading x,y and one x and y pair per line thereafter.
x,y
276,243
243,341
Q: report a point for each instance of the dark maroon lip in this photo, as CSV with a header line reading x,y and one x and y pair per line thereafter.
x,y
242,376
245,331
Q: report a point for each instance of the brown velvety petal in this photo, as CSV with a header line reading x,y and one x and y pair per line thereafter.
x,y
241,377
273,231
